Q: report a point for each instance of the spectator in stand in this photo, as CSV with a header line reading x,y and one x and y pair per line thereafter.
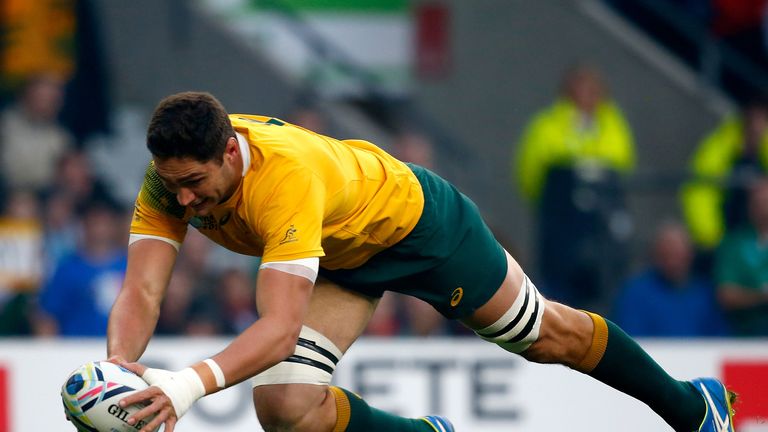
x,y
741,269
20,261
725,163
73,185
414,147
386,320
309,116
89,279
31,139
175,309
569,166
236,301
76,181
667,299
190,305
61,229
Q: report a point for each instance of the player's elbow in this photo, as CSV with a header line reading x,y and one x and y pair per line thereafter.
x,y
284,350
285,342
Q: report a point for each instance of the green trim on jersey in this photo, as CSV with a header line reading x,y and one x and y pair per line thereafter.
x,y
158,197
451,259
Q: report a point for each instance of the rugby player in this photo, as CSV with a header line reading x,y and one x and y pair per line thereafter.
x,y
311,205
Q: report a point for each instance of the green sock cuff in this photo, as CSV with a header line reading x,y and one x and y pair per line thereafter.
x,y
364,418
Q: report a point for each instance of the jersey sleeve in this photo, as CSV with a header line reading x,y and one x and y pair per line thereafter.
x,y
288,215
157,212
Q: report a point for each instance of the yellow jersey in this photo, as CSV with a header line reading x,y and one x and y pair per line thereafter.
x,y
302,195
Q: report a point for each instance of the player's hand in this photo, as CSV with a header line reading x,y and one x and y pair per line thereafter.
x,y
136,368
157,403
169,397
118,360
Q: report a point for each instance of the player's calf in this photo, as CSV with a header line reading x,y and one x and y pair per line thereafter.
x,y
565,337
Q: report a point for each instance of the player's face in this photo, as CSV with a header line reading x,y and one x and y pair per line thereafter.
x,y
198,185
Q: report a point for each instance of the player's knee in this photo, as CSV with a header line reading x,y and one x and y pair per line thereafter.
x,y
290,394
285,407
520,326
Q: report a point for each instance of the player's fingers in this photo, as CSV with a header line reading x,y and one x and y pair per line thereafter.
x,y
147,394
166,416
118,360
155,422
136,368
170,424
145,412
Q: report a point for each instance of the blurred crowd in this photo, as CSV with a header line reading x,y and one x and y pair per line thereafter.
x,y
705,273
63,231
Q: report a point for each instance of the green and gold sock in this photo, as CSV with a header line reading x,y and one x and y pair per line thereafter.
x,y
617,360
353,414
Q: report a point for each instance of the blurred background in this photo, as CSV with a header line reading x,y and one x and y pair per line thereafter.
x,y
618,148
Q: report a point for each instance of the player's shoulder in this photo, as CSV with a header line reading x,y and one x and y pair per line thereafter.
x,y
155,195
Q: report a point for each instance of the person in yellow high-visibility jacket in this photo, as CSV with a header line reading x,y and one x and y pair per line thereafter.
x,y
582,125
722,166
582,142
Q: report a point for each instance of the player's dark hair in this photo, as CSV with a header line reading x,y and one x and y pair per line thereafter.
x,y
189,125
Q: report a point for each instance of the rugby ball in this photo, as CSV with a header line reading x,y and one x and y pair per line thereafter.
x,y
91,394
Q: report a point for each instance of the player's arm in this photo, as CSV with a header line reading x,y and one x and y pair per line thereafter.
x,y
157,229
293,207
137,308
283,300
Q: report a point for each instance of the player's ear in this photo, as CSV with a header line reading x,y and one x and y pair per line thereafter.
x,y
232,148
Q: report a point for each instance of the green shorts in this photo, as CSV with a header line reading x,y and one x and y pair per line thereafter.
x,y
451,259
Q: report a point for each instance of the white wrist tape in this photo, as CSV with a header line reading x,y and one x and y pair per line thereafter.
x,y
183,388
221,382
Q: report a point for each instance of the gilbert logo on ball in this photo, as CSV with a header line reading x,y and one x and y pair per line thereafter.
x,y
91,394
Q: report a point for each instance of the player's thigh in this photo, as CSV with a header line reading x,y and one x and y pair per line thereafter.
x,y
501,301
284,401
339,314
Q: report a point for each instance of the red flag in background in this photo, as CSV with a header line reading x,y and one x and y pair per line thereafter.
x,y
433,45
5,401
749,379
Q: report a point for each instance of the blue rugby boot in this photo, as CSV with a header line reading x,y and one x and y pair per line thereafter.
x,y
719,400
439,424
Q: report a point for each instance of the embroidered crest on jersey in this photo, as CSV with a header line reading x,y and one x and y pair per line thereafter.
x,y
158,197
290,235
